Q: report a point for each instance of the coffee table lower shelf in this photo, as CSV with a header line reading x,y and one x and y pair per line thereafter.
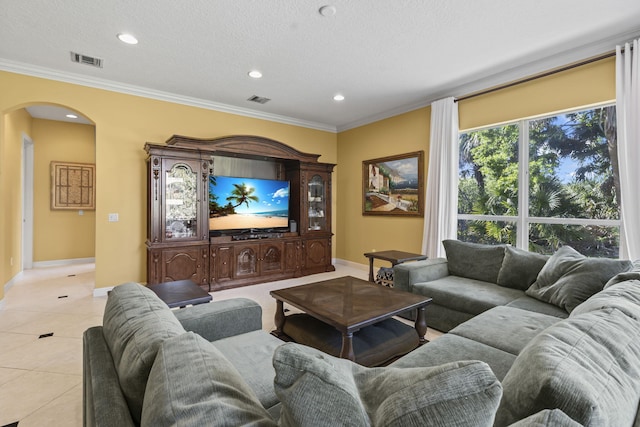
x,y
373,345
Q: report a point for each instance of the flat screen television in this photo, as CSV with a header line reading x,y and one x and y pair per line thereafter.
x,y
240,204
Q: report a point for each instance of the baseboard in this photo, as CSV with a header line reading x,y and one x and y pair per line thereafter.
x,y
59,262
10,284
350,264
101,292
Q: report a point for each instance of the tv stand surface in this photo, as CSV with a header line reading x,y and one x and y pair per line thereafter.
x,y
251,235
257,235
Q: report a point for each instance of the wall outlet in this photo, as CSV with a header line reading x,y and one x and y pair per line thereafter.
x,y
11,261
113,217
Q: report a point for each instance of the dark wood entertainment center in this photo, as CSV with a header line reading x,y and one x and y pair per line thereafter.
x,y
179,243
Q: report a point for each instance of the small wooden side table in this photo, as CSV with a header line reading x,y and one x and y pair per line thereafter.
x,y
394,257
180,293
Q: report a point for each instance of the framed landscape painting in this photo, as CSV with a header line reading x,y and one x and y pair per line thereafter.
x,y
394,185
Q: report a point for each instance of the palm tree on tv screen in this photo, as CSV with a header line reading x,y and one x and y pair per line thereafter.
x,y
242,194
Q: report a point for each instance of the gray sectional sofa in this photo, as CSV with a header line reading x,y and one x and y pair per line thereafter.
x,y
514,358
560,332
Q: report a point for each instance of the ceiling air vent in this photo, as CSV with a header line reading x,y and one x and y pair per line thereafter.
x,y
259,99
88,60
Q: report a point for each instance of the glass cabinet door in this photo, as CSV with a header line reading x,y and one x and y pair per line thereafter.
x,y
317,204
181,207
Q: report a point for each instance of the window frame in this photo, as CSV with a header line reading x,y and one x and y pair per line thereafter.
x,y
523,220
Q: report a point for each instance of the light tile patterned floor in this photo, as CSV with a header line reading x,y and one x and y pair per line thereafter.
x,y
41,378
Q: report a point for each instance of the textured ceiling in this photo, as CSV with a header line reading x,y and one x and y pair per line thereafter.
x,y
386,57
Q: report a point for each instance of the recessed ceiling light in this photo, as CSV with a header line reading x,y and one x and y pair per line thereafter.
x,y
338,97
72,116
327,10
255,74
127,38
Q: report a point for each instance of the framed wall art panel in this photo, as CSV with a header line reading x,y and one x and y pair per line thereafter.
x,y
73,185
394,185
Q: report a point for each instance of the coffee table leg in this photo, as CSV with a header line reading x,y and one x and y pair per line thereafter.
x,y
347,346
421,325
279,318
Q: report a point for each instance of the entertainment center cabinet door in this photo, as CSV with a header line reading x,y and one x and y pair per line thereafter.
x,y
315,215
258,259
292,257
221,266
317,256
271,258
181,263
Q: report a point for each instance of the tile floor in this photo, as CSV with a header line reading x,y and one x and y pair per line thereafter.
x,y
41,378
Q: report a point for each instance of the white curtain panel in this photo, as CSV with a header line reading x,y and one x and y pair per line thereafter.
x,y
441,208
628,124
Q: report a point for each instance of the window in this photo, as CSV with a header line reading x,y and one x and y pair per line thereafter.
x,y
541,183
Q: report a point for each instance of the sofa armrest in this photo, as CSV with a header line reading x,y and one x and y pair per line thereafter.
x,y
221,319
103,403
407,274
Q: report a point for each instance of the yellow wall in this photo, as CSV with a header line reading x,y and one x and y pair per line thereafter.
x,y
357,233
590,84
60,234
123,124
12,126
586,85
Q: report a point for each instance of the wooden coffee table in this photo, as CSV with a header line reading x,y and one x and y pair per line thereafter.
x,y
349,304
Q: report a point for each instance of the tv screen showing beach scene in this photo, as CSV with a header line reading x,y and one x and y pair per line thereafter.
x,y
247,203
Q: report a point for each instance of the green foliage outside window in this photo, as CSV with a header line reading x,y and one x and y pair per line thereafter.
x,y
572,174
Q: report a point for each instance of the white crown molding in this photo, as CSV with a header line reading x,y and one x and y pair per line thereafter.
x,y
47,73
491,78
495,78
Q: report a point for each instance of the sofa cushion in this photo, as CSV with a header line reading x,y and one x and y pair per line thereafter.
x,y
588,366
320,390
135,323
526,302
466,295
454,348
624,296
192,384
569,278
474,260
251,354
520,268
506,328
632,274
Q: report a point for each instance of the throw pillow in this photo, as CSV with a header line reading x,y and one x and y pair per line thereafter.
x,y
520,268
191,383
320,390
474,260
135,323
632,274
586,366
569,278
